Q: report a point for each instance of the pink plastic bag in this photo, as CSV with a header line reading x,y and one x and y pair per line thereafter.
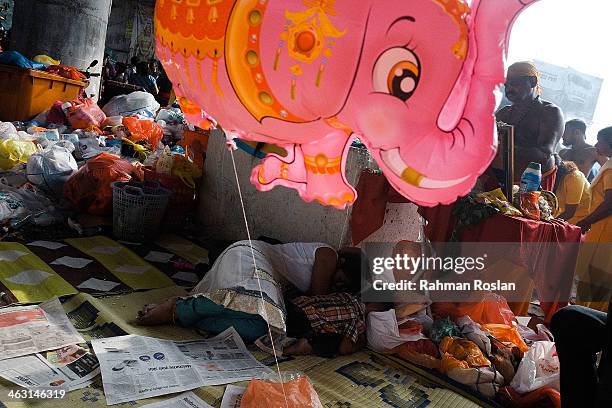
x,y
85,113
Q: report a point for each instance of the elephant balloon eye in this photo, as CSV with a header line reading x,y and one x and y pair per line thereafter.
x,y
397,73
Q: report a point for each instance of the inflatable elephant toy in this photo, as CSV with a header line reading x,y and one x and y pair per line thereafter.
x,y
414,80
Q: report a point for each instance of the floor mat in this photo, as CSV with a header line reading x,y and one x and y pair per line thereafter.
x,y
26,278
128,267
362,380
183,248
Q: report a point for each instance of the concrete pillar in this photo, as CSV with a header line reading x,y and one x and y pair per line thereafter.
x,y
73,31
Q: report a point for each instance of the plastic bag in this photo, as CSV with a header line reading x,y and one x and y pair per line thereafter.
x,y
422,352
85,113
21,202
299,393
539,368
136,103
383,332
90,190
504,332
464,350
144,130
51,168
492,309
13,152
66,72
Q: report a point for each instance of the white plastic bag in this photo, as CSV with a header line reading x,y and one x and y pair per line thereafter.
x,y
383,331
52,167
539,368
136,103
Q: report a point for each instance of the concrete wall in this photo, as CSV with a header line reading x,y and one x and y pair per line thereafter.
x,y
73,31
130,30
280,213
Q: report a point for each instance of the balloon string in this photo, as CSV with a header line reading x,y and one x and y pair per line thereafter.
x,y
265,313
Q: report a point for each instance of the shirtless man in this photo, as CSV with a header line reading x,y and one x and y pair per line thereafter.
x,y
538,124
580,152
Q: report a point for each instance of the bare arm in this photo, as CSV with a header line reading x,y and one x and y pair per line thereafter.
x,y
603,211
570,211
323,271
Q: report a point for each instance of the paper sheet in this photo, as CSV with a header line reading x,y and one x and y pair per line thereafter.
x,y
98,284
71,368
136,367
185,400
232,396
47,244
31,329
77,263
156,256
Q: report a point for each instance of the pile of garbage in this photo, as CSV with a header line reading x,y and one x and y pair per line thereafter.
x,y
65,159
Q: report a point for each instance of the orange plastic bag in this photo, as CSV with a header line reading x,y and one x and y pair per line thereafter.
x,y
299,393
504,332
464,350
492,309
84,114
89,189
449,362
144,130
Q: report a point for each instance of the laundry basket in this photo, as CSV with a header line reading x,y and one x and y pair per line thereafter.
x,y
138,209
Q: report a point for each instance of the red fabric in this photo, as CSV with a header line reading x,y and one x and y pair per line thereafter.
x,y
66,72
551,271
548,179
373,194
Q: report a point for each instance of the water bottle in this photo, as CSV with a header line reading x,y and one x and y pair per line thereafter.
x,y
531,178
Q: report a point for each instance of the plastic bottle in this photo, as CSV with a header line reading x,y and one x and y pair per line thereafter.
x,y
531,178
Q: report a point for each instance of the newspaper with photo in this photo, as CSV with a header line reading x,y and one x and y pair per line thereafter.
x,y
136,367
68,368
31,329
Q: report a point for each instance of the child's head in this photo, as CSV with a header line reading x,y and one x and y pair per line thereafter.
x,y
604,142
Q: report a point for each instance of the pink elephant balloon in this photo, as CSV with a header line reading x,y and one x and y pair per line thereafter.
x,y
414,80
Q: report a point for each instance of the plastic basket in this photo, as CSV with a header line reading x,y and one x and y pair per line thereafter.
x,y
181,205
138,209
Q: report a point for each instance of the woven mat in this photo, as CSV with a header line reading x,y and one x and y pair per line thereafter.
x,y
362,380
36,271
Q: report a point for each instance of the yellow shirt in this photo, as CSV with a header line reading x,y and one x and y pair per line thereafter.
x,y
574,190
601,231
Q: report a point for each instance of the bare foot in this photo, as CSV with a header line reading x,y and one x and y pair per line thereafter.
x,y
299,348
153,315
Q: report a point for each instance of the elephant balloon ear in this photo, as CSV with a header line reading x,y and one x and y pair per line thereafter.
x,y
453,109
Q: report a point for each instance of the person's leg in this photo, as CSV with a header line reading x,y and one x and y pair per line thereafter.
x,y
580,333
205,315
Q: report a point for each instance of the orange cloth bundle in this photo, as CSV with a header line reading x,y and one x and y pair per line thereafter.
x,y
492,309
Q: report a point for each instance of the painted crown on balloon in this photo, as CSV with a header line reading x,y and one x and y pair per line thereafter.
x,y
413,80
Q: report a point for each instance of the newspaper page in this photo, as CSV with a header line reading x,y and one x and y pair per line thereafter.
x,y
185,400
75,368
232,396
222,359
31,329
136,367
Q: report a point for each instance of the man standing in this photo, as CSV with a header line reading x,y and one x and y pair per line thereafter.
x,y
538,124
580,152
